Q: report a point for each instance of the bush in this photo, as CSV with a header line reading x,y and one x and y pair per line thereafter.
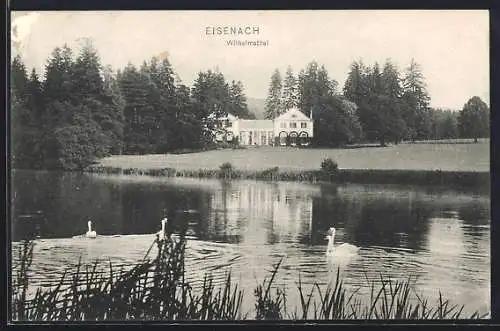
x,y
226,170
226,166
270,174
235,143
329,167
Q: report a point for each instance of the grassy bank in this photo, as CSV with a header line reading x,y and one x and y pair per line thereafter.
x,y
155,289
213,147
459,179
422,157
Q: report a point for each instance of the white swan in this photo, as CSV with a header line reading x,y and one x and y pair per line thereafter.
x,y
340,250
162,233
90,233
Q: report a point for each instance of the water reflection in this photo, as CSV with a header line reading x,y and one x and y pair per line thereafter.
x,y
251,213
438,235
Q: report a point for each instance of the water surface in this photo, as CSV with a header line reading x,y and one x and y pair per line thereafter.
x,y
439,236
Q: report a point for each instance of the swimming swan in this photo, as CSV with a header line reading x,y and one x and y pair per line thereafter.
x,y
340,250
90,233
162,233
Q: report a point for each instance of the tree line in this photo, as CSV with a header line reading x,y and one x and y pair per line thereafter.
x,y
82,110
376,105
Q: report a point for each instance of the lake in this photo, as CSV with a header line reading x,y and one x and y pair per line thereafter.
x,y
439,236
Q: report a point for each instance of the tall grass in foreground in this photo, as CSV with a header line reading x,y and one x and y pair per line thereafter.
x,y
153,289
156,289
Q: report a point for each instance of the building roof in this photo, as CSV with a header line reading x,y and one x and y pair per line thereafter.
x,y
255,124
227,116
293,113
231,117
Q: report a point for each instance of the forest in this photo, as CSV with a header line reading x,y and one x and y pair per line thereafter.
x,y
81,110
374,105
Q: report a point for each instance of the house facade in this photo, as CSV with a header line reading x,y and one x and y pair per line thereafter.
x,y
226,128
292,128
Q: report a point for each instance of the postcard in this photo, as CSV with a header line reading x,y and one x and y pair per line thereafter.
x,y
250,165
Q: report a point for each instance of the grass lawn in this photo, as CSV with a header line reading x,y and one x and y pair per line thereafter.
x,y
451,156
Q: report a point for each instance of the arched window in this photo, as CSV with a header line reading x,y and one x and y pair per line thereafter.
x,y
293,138
219,135
283,136
304,138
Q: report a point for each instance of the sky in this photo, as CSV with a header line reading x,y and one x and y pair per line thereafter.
x,y
452,47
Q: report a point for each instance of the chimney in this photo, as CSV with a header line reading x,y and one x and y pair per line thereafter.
x,y
311,114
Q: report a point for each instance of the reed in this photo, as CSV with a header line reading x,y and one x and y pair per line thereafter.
x,y
20,282
156,289
269,307
393,299
477,181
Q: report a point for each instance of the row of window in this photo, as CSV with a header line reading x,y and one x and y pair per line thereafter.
x,y
225,123
266,138
293,125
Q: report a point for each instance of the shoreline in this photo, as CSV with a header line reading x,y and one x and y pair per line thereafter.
x,y
418,157
473,180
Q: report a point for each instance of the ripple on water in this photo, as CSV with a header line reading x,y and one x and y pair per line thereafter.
x,y
249,267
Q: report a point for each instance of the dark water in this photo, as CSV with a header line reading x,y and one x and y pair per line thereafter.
x,y
442,237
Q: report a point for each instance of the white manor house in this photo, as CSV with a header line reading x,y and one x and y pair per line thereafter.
x,y
291,128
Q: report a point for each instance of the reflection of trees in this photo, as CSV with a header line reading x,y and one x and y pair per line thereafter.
x,y
37,191
68,200
473,214
386,222
329,210
271,212
477,251
144,207
372,220
64,199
